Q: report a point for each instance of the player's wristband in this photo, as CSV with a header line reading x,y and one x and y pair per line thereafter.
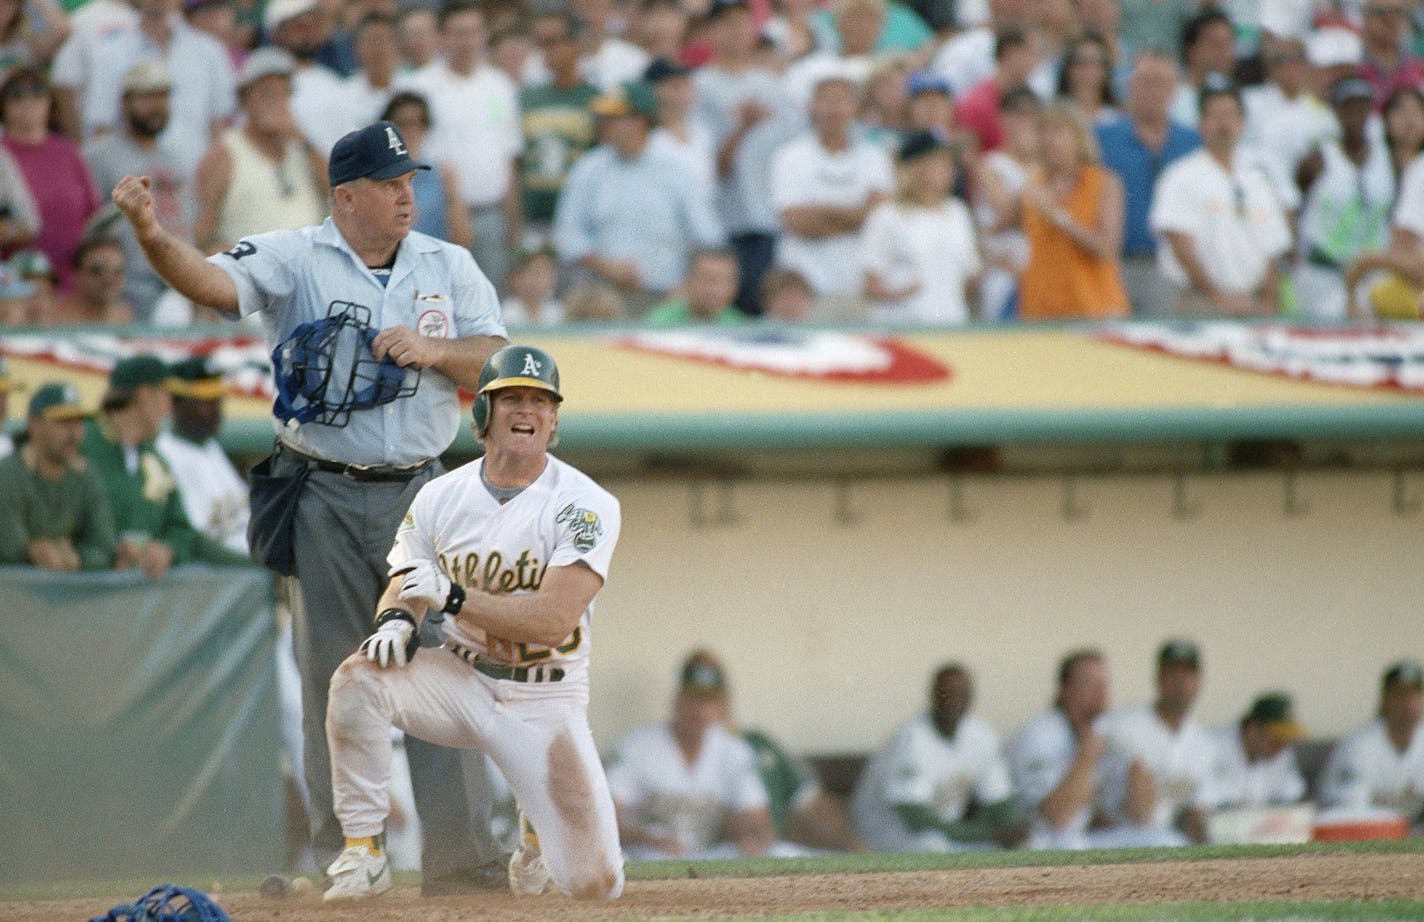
x,y
395,614
455,600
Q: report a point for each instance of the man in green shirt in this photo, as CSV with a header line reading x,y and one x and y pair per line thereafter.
x,y
710,287
154,531
53,513
556,119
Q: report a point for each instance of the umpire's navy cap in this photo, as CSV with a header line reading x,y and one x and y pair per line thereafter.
x,y
377,151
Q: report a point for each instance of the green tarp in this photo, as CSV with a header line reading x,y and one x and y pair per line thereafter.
x,y
138,724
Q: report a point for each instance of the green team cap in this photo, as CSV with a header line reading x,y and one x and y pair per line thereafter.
x,y
57,400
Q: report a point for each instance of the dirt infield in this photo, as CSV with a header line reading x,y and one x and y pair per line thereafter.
x,y
1291,878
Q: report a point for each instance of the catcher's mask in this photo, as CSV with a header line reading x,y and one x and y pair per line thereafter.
x,y
325,369
514,366
167,903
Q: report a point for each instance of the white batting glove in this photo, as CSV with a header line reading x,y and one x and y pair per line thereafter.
x,y
424,583
387,647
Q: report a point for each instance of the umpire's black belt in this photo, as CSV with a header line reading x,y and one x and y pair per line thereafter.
x,y
399,473
497,670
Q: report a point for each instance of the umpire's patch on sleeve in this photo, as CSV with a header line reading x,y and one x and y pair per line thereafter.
x,y
243,248
584,525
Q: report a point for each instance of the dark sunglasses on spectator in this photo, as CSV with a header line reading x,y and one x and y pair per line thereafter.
x,y
102,269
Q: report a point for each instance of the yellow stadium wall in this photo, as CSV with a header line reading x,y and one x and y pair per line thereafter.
x,y
830,627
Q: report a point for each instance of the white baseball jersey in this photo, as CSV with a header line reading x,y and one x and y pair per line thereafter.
x,y
214,494
1365,770
1039,756
535,730
562,518
921,767
1180,763
1239,782
650,777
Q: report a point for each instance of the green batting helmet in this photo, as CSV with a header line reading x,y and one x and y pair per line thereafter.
x,y
514,366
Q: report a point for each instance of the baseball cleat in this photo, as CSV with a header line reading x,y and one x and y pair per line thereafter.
x,y
357,874
528,874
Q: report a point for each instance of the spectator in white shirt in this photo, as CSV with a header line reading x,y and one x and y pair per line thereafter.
x,y
679,131
1221,219
1350,190
608,60
920,252
419,37
475,113
202,100
319,99
1208,48
377,78
824,185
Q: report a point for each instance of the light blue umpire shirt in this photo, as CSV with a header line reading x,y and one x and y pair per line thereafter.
x,y
290,277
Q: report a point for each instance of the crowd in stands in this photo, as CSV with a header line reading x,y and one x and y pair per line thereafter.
x,y
874,161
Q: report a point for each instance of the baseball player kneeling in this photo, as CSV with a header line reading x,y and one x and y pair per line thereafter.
x,y
511,550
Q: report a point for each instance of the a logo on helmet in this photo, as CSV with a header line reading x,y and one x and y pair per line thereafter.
x,y
531,365
583,523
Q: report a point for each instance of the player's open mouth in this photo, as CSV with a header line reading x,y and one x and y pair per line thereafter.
x,y
522,430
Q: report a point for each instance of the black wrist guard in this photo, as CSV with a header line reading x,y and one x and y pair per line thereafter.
x,y
455,600
400,614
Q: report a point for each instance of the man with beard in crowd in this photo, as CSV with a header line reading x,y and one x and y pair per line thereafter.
x,y
142,147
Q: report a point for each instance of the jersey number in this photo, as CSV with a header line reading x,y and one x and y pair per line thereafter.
x,y
532,653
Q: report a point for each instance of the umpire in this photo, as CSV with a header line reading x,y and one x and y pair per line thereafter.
x,y
435,311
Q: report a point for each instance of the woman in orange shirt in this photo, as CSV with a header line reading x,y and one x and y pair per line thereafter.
x,y
1072,214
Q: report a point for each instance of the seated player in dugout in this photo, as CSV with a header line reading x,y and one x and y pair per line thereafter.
x,y
803,813
688,787
941,783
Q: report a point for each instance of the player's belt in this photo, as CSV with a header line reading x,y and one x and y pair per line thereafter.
x,y
505,671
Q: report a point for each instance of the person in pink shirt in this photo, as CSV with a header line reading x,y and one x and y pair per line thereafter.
x,y
1388,64
978,109
52,166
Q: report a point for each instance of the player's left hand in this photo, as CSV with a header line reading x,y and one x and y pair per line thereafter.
x,y
423,582
391,644
406,347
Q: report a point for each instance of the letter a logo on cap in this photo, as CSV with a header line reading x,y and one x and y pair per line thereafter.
x,y
396,143
531,366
